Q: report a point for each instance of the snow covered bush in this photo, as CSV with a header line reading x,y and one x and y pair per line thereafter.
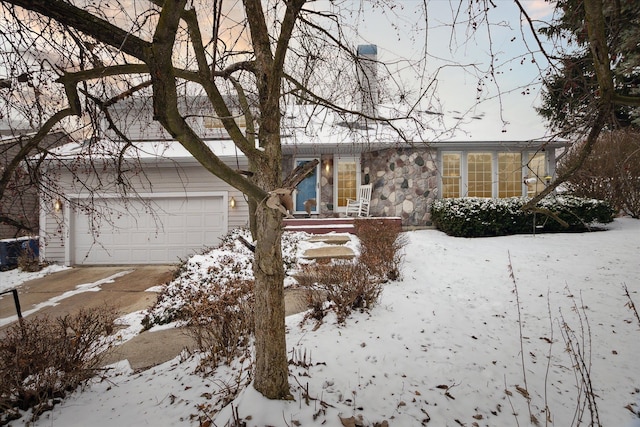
x,y
478,217
214,273
43,359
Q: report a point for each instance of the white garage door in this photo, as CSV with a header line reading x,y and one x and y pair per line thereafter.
x,y
158,230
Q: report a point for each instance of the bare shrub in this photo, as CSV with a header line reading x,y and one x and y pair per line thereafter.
x,y
28,261
43,359
381,247
578,345
221,321
611,172
347,286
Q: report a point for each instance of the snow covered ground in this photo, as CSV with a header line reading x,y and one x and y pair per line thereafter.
x,y
444,347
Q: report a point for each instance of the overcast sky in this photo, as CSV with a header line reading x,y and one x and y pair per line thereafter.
x,y
416,39
403,33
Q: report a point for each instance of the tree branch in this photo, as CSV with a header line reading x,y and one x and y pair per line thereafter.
x,y
31,145
592,138
166,105
101,30
214,95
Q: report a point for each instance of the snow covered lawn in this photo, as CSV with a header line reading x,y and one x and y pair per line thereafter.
x,y
443,347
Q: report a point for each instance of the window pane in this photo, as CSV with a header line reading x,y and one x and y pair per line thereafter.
x,y
450,175
509,174
479,175
536,172
347,185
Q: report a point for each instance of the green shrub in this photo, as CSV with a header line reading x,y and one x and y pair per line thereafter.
x,y
474,217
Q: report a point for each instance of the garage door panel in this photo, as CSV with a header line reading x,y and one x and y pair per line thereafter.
x,y
181,238
177,228
176,220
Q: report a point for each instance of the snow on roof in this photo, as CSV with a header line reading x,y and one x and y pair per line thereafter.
x,y
164,149
312,129
313,124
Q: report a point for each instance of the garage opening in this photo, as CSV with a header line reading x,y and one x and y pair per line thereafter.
x,y
157,229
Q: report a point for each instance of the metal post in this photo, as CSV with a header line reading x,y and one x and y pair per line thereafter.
x,y
16,301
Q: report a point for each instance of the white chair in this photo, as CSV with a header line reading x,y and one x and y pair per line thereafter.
x,y
360,207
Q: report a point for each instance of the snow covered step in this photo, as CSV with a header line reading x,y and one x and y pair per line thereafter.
x,y
324,253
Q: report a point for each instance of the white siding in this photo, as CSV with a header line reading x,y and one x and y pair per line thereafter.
x,y
155,179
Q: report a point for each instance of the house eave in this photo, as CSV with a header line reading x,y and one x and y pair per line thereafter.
x,y
359,148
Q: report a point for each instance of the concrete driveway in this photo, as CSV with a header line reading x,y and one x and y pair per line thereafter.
x,y
121,287
64,292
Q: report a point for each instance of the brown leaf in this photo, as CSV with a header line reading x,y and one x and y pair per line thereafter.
x,y
348,422
523,392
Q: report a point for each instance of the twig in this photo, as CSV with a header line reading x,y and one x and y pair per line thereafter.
x,y
580,353
524,373
546,374
513,410
630,303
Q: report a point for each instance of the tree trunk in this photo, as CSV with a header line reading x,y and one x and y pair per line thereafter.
x,y
271,370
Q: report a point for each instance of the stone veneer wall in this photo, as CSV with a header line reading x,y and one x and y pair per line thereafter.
x,y
405,182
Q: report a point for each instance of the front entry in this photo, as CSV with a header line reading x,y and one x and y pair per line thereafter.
x,y
306,194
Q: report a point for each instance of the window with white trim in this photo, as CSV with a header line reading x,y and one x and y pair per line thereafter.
x,y
491,173
451,175
347,180
509,175
479,175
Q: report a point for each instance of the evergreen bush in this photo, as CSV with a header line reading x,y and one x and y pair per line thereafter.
x,y
477,217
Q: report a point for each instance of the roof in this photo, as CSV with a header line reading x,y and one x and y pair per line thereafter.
x,y
312,129
145,150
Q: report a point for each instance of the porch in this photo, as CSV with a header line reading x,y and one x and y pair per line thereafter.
x,y
336,225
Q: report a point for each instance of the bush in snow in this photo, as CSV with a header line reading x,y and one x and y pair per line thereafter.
x,y
380,248
212,293
345,286
43,359
611,172
221,321
477,217
213,273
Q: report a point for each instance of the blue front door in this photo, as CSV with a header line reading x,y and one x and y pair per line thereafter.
x,y
307,190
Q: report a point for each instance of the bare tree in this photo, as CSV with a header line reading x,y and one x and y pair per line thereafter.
x,y
102,52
